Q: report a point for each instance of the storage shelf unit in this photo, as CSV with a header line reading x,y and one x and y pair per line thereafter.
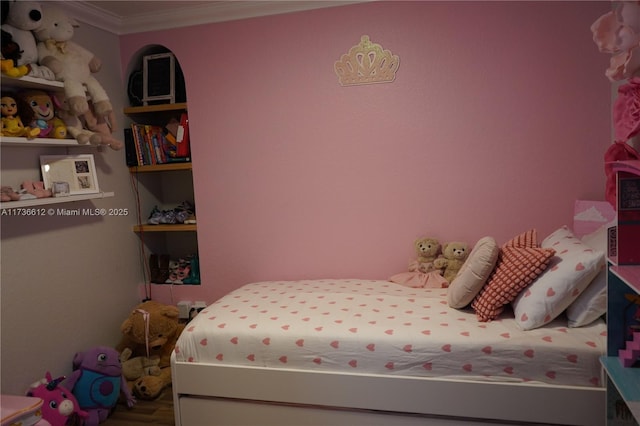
x,y
623,302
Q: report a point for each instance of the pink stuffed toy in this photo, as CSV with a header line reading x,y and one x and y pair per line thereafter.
x,y
59,406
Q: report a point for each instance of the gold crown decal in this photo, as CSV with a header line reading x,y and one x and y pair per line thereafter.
x,y
367,63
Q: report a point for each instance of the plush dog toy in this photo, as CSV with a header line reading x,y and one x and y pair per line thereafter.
x,y
453,257
97,381
71,63
59,407
19,20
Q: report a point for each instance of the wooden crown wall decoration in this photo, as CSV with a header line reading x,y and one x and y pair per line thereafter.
x,y
367,63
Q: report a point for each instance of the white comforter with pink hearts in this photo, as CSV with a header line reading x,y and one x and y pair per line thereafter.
x,y
378,327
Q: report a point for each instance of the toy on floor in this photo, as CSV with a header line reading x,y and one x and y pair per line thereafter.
x,y
12,124
136,367
422,272
97,382
151,330
453,257
60,407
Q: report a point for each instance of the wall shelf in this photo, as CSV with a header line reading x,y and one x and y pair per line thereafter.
x,y
40,142
53,200
27,82
181,106
165,228
164,167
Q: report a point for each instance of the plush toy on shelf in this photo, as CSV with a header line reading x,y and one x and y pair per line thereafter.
x,y
104,126
75,127
12,124
453,257
7,193
31,189
97,382
60,407
71,63
151,330
43,114
19,20
422,272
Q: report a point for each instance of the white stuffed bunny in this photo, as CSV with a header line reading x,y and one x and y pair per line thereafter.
x,y
71,63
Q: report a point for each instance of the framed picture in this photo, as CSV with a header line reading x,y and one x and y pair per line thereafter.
x,y
79,171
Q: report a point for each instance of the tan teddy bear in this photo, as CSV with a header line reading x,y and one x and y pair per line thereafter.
x,y
139,366
453,257
422,272
151,330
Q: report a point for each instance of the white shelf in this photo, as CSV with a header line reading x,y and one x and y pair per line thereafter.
x,y
54,200
40,142
626,381
27,82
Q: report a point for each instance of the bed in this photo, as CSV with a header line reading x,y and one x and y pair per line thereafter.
x,y
350,351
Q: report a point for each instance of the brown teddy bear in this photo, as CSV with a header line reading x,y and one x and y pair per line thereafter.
x,y
139,366
151,331
453,256
422,272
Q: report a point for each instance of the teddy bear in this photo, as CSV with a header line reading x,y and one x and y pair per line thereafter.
x,y
19,20
144,376
136,367
71,63
151,330
12,123
453,257
422,272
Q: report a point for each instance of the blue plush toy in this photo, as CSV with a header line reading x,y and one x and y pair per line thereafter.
x,y
97,381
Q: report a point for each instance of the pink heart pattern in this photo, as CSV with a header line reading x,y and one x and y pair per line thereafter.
x,y
377,327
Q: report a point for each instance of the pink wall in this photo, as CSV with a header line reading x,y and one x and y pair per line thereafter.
x,y
496,122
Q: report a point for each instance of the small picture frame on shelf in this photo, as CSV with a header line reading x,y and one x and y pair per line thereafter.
x,y
79,171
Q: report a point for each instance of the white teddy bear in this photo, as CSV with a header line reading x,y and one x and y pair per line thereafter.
x,y
71,63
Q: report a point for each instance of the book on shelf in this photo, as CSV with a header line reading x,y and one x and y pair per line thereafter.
x,y
152,144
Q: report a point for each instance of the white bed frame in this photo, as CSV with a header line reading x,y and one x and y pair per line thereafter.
x,y
210,395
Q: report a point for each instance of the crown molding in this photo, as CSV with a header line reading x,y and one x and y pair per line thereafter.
x,y
215,11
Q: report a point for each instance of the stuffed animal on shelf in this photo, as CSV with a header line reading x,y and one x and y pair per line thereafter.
x,y
151,330
453,257
103,125
19,20
71,63
422,272
59,407
10,56
75,127
7,193
12,124
31,189
43,114
97,382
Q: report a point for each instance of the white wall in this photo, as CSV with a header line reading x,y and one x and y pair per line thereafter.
x,y
67,283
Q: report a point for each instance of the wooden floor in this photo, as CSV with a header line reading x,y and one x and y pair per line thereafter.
x,y
158,412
